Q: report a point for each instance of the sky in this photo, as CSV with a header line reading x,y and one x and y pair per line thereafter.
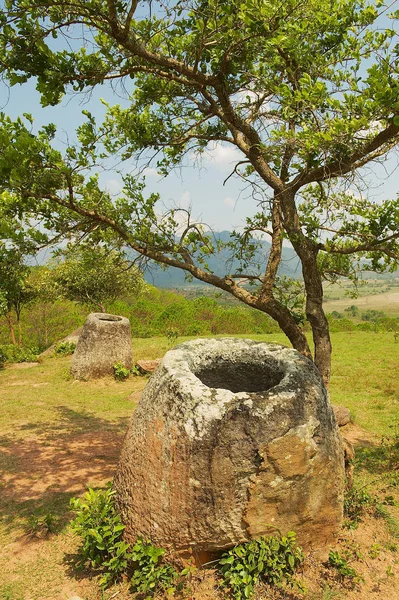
x,y
196,185
222,207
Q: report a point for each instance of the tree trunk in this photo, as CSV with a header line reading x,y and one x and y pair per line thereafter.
x,y
18,315
19,333
11,328
307,251
315,313
288,325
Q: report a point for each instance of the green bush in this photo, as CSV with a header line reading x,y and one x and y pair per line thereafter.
x,y
341,564
341,324
64,348
3,358
101,530
104,550
121,373
356,503
17,354
366,326
151,573
272,560
171,336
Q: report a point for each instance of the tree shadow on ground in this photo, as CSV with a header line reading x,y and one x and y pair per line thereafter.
x,y
380,458
75,569
42,472
74,422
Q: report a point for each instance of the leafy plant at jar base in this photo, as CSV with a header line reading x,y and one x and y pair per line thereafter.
x,y
121,372
273,560
104,550
356,503
151,573
135,370
101,530
340,562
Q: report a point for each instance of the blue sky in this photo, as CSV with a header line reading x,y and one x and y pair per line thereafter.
x,y
220,206
198,186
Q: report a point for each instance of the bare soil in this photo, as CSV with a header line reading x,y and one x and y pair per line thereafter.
x,y
46,472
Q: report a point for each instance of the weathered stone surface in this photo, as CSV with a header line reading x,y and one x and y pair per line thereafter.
x,y
231,439
342,415
148,366
72,337
105,340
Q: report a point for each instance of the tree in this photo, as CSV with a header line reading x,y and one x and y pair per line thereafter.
x,y
95,276
308,92
15,291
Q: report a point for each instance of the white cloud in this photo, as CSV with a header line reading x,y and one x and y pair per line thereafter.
x,y
185,200
229,201
150,172
244,95
220,154
113,186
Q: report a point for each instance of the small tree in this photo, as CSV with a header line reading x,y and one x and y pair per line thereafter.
x,y
15,292
95,276
307,92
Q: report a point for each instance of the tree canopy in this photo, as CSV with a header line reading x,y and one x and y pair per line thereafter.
x,y
95,277
15,291
308,92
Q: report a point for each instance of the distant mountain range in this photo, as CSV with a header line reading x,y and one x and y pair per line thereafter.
x,y
221,264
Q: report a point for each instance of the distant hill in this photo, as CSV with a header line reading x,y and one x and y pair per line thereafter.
x,y
221,265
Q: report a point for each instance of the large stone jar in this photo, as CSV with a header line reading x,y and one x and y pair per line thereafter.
x,y
105,340
231,440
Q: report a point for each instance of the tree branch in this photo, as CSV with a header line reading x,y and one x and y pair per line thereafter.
x,y
372,149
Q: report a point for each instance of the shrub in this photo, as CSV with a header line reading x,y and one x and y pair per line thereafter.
x,y
42,526
3,358
101,530
356,503
103,549
171,335
151,573
343,324
120,372
64,348
273,560
17,354
341,564
372,315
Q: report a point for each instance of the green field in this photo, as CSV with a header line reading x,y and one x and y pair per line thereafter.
x,y
372,294
58,435
365,373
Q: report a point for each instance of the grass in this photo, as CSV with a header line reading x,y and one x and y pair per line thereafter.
x,y
379,297
365,373
57,436
43,400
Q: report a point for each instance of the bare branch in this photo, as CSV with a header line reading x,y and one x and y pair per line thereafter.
x,y
372,149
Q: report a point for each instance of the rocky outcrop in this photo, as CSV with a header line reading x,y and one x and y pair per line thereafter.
x,y
148,366
231,440
342,415
105,340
